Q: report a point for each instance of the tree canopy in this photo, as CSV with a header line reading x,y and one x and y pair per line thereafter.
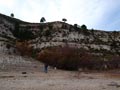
x,y
12,15
84,27
42,19
64,19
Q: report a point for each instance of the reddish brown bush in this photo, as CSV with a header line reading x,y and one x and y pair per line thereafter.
x,y
114,62
73,59
66,58
24,48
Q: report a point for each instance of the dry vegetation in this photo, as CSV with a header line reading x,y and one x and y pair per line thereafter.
x,y
70,58
73,59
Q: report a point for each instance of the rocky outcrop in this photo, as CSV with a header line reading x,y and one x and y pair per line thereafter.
x,y
42,35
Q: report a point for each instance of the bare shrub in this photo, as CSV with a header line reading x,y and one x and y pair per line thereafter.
x,y
66,58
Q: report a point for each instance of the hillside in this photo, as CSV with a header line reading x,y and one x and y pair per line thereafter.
x,y
18,36
10,58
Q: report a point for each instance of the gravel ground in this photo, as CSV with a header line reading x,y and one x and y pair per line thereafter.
x,y
23,73
58,80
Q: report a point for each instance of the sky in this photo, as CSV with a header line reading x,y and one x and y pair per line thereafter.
x,y
96,14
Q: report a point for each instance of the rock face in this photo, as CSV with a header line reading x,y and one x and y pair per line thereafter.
x,y
42,35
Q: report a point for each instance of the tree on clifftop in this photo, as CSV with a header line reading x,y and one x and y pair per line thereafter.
x,y
42,20
84,27
12,15
64,19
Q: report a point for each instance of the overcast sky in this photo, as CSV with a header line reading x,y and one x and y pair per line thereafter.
x,y
97,14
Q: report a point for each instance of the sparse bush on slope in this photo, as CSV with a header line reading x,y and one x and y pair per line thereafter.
x,y
23,34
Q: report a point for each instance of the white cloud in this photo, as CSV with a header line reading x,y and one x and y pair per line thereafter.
x,y
93,13
7,6
7,3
